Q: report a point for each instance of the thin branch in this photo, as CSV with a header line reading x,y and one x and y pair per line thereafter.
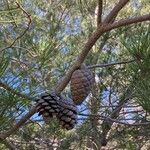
x,y
8,88
24,32
19,124
7,3
98,12
125,22
111,120
110,64
106,126
112,15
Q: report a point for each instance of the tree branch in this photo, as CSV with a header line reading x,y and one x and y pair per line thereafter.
x,y
8,88
106,126
125,22
115,11
98,12
19,124
111,120
110,64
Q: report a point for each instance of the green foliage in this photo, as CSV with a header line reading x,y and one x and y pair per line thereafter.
x,y
11,107
138,46
4,62
142,93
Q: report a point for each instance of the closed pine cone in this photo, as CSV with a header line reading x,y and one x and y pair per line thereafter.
x,y
49,105
81,84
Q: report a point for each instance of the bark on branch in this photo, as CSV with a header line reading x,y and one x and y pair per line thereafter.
x,y
112,15
125,22
98,12
111,120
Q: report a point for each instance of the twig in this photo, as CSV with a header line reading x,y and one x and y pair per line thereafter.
x,y
110,64
98,12
111,120
111,16
125,22
24,32
8,88
19,124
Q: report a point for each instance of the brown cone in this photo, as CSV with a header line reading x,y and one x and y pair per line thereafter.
x,y
49,105
68,113
81,84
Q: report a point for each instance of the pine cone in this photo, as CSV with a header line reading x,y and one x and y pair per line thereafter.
x,y
68,113
49,105
81,84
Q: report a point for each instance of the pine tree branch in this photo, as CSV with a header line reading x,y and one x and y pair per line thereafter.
x,y
92,40
98,12
111,120
8,88
110,64
106,125
115,11
125,22
18,124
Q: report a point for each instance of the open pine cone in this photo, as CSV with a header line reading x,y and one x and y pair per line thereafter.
x,y
68,113
81,84
49,105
